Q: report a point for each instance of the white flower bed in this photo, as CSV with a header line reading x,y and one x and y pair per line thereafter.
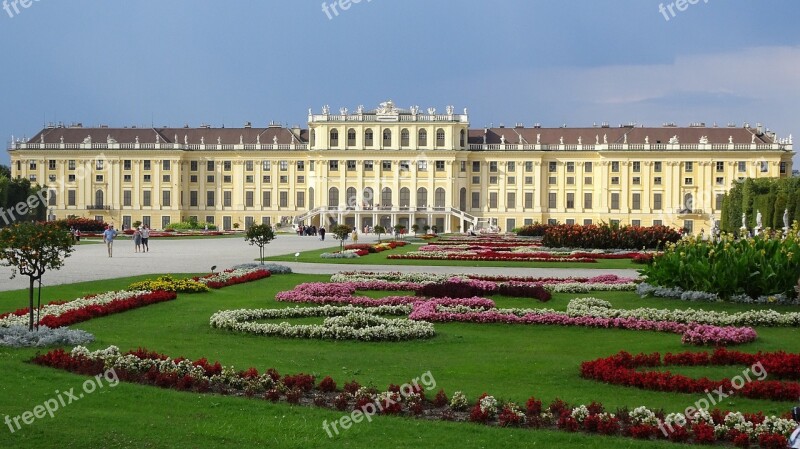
x,y
57,310
599,308
341,323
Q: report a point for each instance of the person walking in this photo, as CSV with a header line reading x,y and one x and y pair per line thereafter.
x,y
108,239
355,236
137,238
146,238
322,233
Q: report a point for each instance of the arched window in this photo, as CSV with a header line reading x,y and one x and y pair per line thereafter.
x,y
386,198
438,197
369,138
334,137
422,197
352,198
311,205
369,198
462,199
351,137
98,198
333,197
405,198
440,137
387,137
404,137
422,139
463,138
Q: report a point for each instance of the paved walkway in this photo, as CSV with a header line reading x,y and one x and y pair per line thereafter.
x,y
90,262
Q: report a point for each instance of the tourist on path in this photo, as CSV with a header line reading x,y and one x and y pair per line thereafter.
x,y
146,238
108,239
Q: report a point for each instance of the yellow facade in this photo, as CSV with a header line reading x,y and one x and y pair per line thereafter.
x,y
398,166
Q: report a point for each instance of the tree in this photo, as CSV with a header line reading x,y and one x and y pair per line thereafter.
x,y
435,229
415,228
426,228
31,249
379,230
5,171
398,229
341,232
260,235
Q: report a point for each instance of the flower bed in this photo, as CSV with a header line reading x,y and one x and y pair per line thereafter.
x,y
150,368
606,236
623,369
232,277
168,283
697,334
63,314
341,323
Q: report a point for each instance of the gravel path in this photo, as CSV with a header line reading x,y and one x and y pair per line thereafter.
x,y
90,262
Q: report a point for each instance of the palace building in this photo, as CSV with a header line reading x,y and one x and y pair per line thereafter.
x,y
392,166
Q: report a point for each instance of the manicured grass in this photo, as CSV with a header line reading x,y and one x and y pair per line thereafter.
x,y
511,362
381,259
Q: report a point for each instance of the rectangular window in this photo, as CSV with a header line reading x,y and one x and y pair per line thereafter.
x,y
570,167
98,178
551,200
249,179
146,178
98,164
266,198
210,178
226,165
476,166
636,180
720,166
71,164
528,166
51,164
637,166
636,201
657,201
552,180
570,200
742,166
636,223
386,165
783,168
493,200
587,200
587,221
283,165
688,181
615,180
301,199
493,167
166,198
71,178
301,179
283,179
570,180
720,181
587,180
511,180
615,166
266,179
657,167
422,165
615,201
463,166
493,180
529,180
192,166
210,199
193,198
146,165
127,198
511,166
227,196
249,198
657,181
333,165
552,166
688,167
248,166
266,165
587,167
511,200
209,165
70,197
368,166
301,165
146,198
718,199
166,165
476,200
439,165
658,223
405,165
528,200
351,165
764,166
165,221
476,179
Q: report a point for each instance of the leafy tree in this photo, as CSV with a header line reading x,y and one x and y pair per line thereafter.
x,y
379,230
415,228
435,229
19,193
341,232
5,171
426,228
398,229
31,249
260,235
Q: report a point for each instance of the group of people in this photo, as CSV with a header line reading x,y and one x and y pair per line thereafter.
x,y
141,239
76,234
304,230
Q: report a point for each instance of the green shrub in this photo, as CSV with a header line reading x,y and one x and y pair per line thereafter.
x,y
759,266
191,226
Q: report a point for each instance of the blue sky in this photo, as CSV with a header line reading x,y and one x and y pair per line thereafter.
x,y
552,62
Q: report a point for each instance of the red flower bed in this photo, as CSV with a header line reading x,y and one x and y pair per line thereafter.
x,y
622,369
249,277
116,306
605,236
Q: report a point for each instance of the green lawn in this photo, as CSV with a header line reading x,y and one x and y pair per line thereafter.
x,y
381,259
510,362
